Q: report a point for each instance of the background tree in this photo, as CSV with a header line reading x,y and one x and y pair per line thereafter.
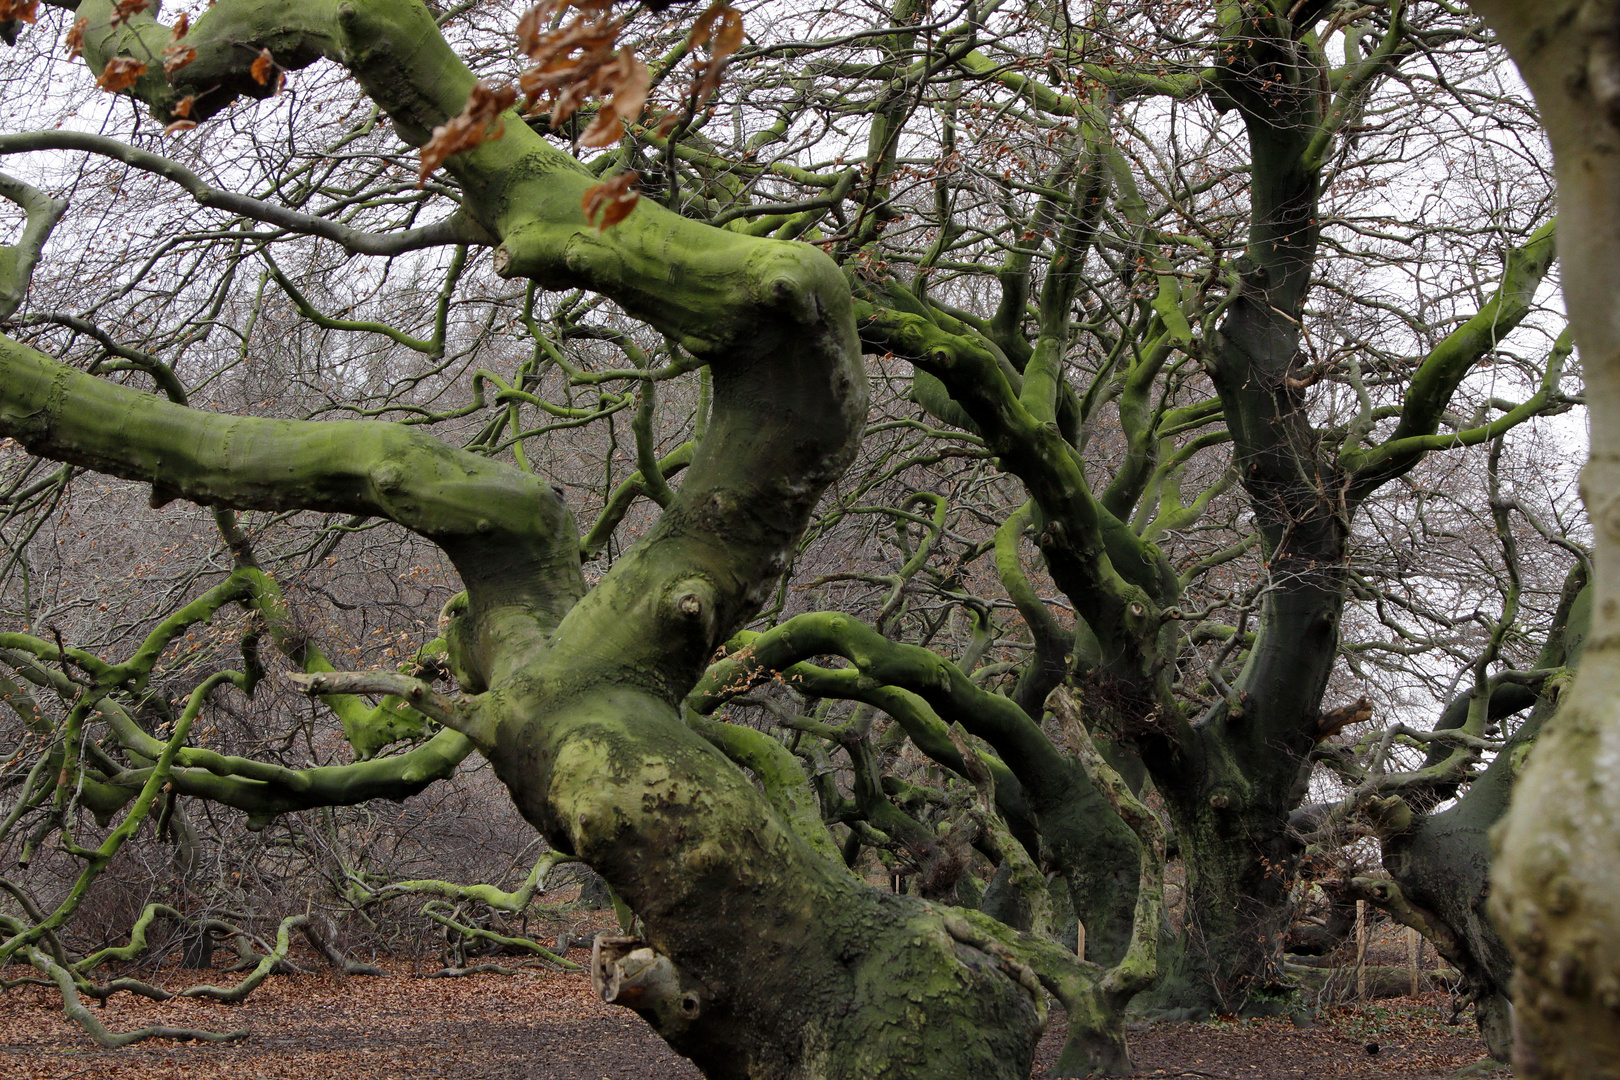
x,y
1185,358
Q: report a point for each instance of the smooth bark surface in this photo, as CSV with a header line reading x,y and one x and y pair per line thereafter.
x,y
1558,894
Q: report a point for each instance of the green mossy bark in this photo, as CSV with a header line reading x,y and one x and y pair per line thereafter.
x,y
17,261
825,977
509,534
1078,831
1231,783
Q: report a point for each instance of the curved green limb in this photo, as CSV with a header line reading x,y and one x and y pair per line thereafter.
x,y
779,774
508,532
561,963
619,503
17,261
1116,580
488,895
75,1011
266,967
1052,659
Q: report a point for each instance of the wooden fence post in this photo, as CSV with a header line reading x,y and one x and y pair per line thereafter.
x,y
1361,950
1414,950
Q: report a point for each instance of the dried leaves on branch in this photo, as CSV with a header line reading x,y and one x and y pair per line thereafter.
x,y
264,69
120,73
21,10
479,122
75,38
576,61
128,9
176,54
613,199
719,31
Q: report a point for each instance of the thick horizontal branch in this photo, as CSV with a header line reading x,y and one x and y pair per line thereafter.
x,y
507,531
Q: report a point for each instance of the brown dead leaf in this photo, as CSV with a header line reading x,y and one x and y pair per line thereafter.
x,y
629,81
75,38
719,30
21,10
128,9
176,57
574,62
530,28
263,67
120,73
588,30
179,125
479,122
569,75
613,199
182,108
728,36
182,27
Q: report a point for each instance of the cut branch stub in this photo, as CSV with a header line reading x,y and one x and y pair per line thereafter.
x,y
628,971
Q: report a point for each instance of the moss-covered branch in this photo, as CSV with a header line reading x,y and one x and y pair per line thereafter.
x,y
75,1010
96,859
508,532
1429,393
1115,579
461,716
17,261
488,895
938,682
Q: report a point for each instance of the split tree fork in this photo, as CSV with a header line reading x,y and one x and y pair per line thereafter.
x,y
774,961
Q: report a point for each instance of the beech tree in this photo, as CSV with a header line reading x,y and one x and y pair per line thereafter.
x,y
1133,275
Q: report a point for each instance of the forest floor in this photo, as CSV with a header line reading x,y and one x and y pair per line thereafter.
x,y
549,1026
546,1025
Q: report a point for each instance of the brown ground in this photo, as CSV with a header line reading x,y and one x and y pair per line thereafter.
x,y
538,1025
1411,1039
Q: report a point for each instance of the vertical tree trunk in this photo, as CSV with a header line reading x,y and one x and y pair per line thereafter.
x,y
1441,861
1558,878
782,965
